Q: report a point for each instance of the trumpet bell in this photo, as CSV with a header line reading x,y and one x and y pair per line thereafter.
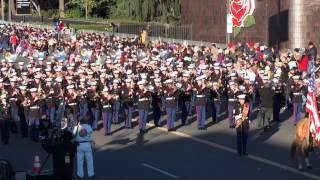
x,y
7,55
83,52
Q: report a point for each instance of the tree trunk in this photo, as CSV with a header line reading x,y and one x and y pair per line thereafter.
x,y
9,10
2,10
61,8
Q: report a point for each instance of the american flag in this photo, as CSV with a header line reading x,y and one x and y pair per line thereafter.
x,y
312,109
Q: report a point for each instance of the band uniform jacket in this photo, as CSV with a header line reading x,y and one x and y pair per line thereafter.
x,y
201,95
34,108
116,94
232,97
92,99
156,98
72,102
58,94
24,104
216,94
297,93
171,98
106,104
245,125
12,96
143,99
185,95
127,97
4,112
49,100
277,89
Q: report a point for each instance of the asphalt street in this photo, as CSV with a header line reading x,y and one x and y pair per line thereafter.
x,y
183,154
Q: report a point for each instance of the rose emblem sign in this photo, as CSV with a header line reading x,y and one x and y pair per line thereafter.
x,y
242,14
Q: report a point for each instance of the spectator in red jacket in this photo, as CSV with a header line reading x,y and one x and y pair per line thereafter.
x,y
13,41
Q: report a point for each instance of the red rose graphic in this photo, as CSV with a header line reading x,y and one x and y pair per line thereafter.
x,y
240,9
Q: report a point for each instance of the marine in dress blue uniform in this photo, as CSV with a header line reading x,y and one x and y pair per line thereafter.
x,y
200,102
277,99
4,119
185,96
128,102
232,101
242,125
156,103
297,91
106,102
171,94
143,105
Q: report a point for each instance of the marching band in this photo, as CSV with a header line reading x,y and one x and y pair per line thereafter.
x,y
112,78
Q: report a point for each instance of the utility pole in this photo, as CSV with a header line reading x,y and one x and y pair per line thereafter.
x,y
2,10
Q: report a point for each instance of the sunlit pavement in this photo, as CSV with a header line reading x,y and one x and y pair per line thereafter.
x,y
183,154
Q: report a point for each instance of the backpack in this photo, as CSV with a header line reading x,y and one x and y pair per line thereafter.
x,y
6,170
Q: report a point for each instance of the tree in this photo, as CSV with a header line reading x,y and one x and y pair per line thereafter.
x,y
36,5
148,10
61,8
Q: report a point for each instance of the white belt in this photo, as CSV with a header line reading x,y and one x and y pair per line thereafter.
x,y
106,106
232,99
170,98
297,94
200,96
13,99
143,99
72,104
34,107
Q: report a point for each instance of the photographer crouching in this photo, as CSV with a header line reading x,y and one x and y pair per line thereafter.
x,y
59,143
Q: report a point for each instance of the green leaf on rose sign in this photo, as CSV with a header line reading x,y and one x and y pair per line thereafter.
x,y
249,21
236,31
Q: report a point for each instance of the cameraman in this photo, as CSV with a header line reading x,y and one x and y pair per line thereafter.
x,y
63,151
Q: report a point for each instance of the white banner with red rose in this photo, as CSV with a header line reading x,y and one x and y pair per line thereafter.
x,y
242,14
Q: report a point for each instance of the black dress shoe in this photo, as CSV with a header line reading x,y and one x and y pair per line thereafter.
x,y
245,154
107,134
78,177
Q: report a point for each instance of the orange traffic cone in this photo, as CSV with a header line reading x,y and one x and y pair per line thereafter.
x,y
36,165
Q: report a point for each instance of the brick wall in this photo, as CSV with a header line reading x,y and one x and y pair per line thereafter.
x,y
208,19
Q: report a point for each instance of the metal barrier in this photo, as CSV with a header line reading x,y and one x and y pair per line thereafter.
x,y
153,38
170,34
166,31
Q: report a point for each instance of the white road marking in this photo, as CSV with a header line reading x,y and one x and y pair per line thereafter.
x,y
252,157
159,170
